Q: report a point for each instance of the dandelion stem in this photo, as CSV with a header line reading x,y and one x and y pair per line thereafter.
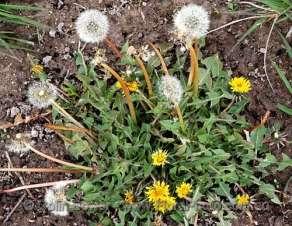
x,y
85,168
125,89
39,170
194,72
146,75
41,185
113,47
163,64
180,117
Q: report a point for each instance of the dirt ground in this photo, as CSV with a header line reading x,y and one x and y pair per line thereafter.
x,y
138,22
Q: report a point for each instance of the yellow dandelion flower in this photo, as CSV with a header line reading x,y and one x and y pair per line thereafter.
x,y
240,85
242,200
129,197
132,86
159,158
157,191
37,69
183,190
164,204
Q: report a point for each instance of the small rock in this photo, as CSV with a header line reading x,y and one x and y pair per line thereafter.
x,y
14,111
60,27
60,4
52,33
34,133
262,50
24,108
46,60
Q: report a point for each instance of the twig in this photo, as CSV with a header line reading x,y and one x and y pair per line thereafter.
x,y
17,174
146,75
237,21
266,51
113,47
14,208
41,185
39,170
163,64
90,169
125,89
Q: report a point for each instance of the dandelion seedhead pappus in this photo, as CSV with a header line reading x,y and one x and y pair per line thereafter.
x,y
41,94
18,144
191,22
55,200
92,26
171,88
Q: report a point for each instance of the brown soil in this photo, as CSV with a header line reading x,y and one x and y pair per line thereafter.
x,y
128,24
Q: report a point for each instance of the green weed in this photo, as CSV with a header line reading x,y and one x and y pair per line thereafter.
x,y
212,152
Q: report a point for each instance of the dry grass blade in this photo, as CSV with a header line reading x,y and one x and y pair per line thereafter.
x,y
125,89
266,51
163,64
85,168
63,112
41,185
257,6
146,75
65,128
14,208
39,170
17,174
240,20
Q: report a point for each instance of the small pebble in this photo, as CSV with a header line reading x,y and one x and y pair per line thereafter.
x,y
262,50
52,33
47,59
14,111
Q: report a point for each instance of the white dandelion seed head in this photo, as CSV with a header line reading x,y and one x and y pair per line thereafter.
x,y
191,22
19,143
55,200
41,94
92,26
171,88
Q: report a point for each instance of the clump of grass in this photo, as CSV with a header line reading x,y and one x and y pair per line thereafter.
x,y
10,14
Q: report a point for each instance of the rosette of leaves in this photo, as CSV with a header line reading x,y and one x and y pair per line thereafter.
x,y
212,153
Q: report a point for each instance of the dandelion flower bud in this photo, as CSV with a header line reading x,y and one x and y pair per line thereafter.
x,y
41,94
55,200
171,88
18,144
191,22
92,26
